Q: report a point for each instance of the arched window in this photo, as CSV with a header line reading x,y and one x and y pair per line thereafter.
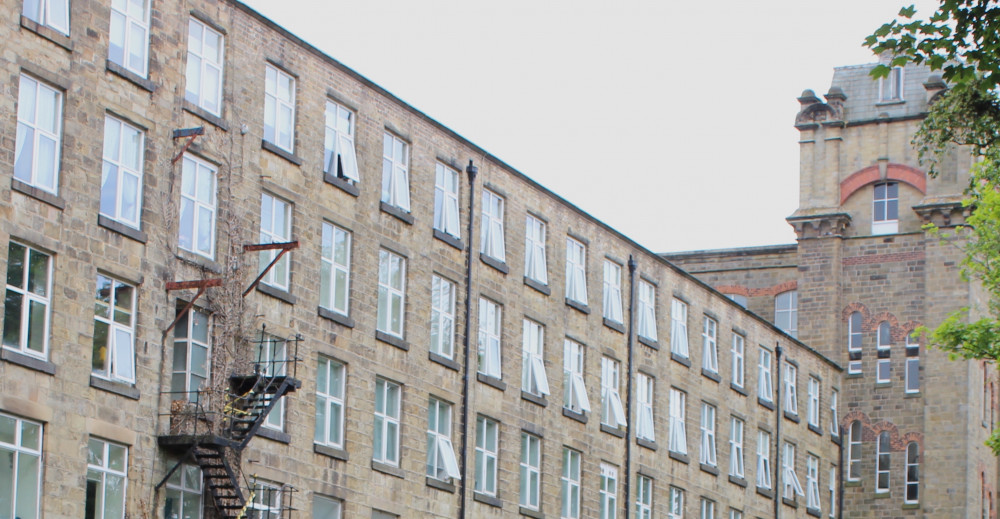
x,y
786,312
884,349
912,365
912,473
854,343
882,458
854,451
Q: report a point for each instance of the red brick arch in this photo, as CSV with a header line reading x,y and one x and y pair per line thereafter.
x,y
742,290
870,431
870,322
870,175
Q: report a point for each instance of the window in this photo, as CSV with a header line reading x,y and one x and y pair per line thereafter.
x,y
442,317
707,509
441,461
534,250
833,492
339,157
644,498
739,370
576,271
204,67
709,348
736,448
790,479
490,323
812,482
487,441
39,132
391,292
335,276
834,417
609,491
786,312
272,358
612,411
279,108
912,382
192,355
184,494
813,410
266,500
679,328
612,291
121,176
647,310
575,394
676,510
708,435
531,471
491,241
395,172
387,413
330,379
738,299
763,460
114,330
883,374
854,337
765,390
26,311
197,220
324,508
129,35
645,388
882,458
570,484
446,200
678,435
791,393
885,208
53,13
107,464
735,514
21,470
275,227
890,88
533,379
912,472
854,451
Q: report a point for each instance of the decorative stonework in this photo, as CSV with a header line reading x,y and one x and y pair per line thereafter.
x,y
872,174
943,214
870,322
870,431
741,290
820,225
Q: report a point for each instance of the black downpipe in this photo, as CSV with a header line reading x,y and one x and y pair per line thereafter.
x,y
778,489
840,472
466,381
628,387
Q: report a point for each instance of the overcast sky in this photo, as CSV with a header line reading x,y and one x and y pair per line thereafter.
x,y
670,121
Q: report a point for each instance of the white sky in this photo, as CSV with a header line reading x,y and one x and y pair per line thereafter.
x,y
670,121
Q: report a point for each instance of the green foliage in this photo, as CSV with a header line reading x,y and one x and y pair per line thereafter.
x,y
965,115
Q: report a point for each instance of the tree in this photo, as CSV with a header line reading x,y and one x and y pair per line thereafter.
x,y
962,40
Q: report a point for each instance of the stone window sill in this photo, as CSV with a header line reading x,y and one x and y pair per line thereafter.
x,y
333,452
578,306
738,481
710,469
130,76
814,512
574,415
642,442
392,340
48,33
613,431
336,317
391,470
273,148
27,361
495,263
449,239
277,293
343,184
649,342
274,435
789,502
397,212
683,458
765,403
120,228
738,389
440,485
816,429
534,399
198,261
766,492
791,416
119,388
614,325
527,512
711,375
44,196
442,360
491,381
684,361
544,289
204,115
487,500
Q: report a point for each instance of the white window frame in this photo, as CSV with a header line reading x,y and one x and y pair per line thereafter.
x,y
790,480
710,345
266,499
395,172
125,24
275,227
187,342
340,158
854,434
678,431
881,221
608,492
100,470
833,491
883,463
533,378
386,438
335,262
739,360
765,386
763,459
490,330
644,497
535,265
197,91
333,508
854,338
612,291
645,386
279,108
736,428
883,372
678,328
786,312
912,369
891,87
612,411
39,295
707,451
442,317
23,454
575,393
330,402
50,13
491,242
812,483
119,350
707,508
446,187
391,293
272,353
442,464
576,271
791,389
33,133
184,483
675,508
735,514
834,415
912,474
570,484
647,310
812,411
117,133
531,471
202,205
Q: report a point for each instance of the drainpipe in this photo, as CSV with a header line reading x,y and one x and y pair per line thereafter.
x,y
471,170
628,387
840,473
777,436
